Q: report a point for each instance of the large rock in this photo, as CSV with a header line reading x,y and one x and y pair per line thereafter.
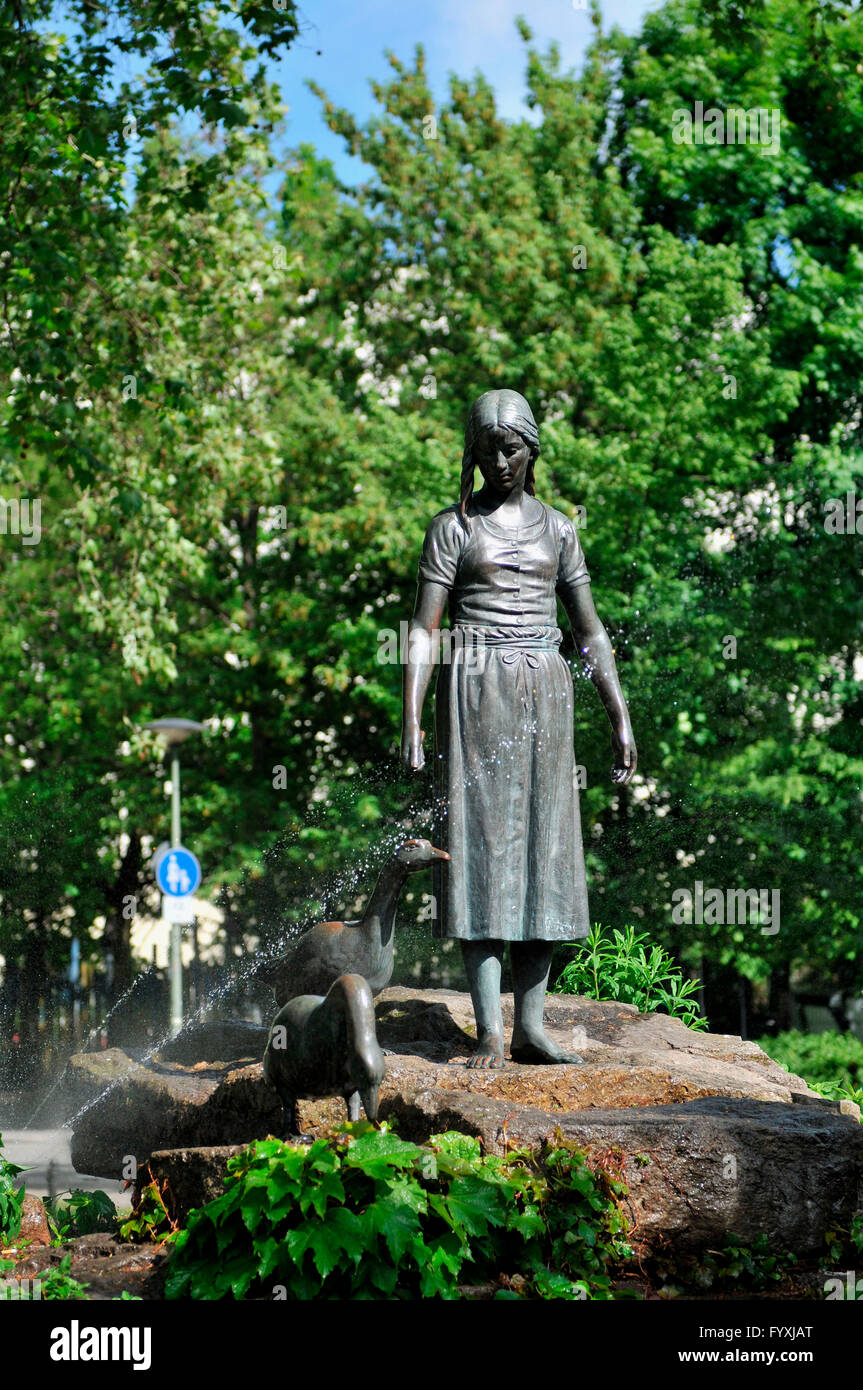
x,y
631,1059
89,1075
157,1105
696,1172
710,1138
187,1178
229,1040
34,1229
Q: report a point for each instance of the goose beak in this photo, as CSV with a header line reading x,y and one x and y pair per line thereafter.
x,y
369,1097
441,854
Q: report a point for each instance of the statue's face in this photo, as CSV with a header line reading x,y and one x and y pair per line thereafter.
x,y
502,458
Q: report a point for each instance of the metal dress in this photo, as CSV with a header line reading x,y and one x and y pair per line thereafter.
x,y
505,779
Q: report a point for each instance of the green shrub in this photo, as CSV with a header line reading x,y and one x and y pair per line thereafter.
x,y
366,1215
844,1242
11,1198
734,1266
80,1213
150,1219
831,1063
619,967
59,1284
754,1266
837,1090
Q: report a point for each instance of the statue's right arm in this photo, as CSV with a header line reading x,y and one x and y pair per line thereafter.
x,y
419,661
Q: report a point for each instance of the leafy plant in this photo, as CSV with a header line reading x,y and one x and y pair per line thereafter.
x,y
752,1266
618,966
828,1061
733,1266
364,1214
60,1285
838,1090
81,1213
585,1228
150,1219
11,1197
844,1241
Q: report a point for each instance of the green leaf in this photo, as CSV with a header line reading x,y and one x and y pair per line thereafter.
x,y
475,1205
397,1221
378,1153
456,1145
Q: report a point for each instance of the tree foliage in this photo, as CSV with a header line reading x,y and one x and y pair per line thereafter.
x,y
239,415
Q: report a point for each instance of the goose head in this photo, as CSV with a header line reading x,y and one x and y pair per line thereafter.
x,y
413,855
366,1071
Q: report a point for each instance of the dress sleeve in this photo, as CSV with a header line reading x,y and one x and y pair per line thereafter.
x,y
572,567
442,548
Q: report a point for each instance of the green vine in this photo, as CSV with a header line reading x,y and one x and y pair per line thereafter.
x,y
364,1214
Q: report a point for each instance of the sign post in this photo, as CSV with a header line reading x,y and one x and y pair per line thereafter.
x,y
172,732
178,874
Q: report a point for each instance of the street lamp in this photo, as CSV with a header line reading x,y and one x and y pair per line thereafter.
x,y
173,732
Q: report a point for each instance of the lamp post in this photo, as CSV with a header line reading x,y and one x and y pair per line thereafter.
x,y
173,732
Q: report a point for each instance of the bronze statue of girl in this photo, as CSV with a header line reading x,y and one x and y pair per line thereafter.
x,y
504,764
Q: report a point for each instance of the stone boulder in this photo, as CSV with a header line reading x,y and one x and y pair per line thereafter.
x,y
630,1059
89,1075
34,1229
186,1178
157,1104
231,1040
696,1172
715,1136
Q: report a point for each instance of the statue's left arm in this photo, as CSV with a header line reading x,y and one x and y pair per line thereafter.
x,y
594,647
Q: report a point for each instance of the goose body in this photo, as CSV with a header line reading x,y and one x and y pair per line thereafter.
x,y
324,1046
363,947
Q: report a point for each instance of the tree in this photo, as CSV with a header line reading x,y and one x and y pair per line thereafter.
x,y
789,797
276,402
81,309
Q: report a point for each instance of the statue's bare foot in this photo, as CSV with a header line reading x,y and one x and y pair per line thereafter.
x,y
489,1053
537,1049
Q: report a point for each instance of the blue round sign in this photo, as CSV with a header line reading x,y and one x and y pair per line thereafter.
x,y
179,872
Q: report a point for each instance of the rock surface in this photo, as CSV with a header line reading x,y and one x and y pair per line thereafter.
x,y
695,1171
630,1059
187,1178
34,1230
711,1141
106,1267
161,1104
89,1074
231,1040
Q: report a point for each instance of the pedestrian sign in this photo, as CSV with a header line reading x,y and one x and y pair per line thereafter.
x,y
179,872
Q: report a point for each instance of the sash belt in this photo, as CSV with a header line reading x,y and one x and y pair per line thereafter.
x,y
518,644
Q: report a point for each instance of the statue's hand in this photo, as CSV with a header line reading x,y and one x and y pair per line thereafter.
x,y
412,748
625,755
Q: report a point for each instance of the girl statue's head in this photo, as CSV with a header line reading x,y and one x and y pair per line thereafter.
x,y
502,409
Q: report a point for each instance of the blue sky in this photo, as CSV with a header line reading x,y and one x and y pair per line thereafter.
x,y
458,36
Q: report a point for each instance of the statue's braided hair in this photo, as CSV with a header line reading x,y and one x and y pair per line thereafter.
x,y
510,410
